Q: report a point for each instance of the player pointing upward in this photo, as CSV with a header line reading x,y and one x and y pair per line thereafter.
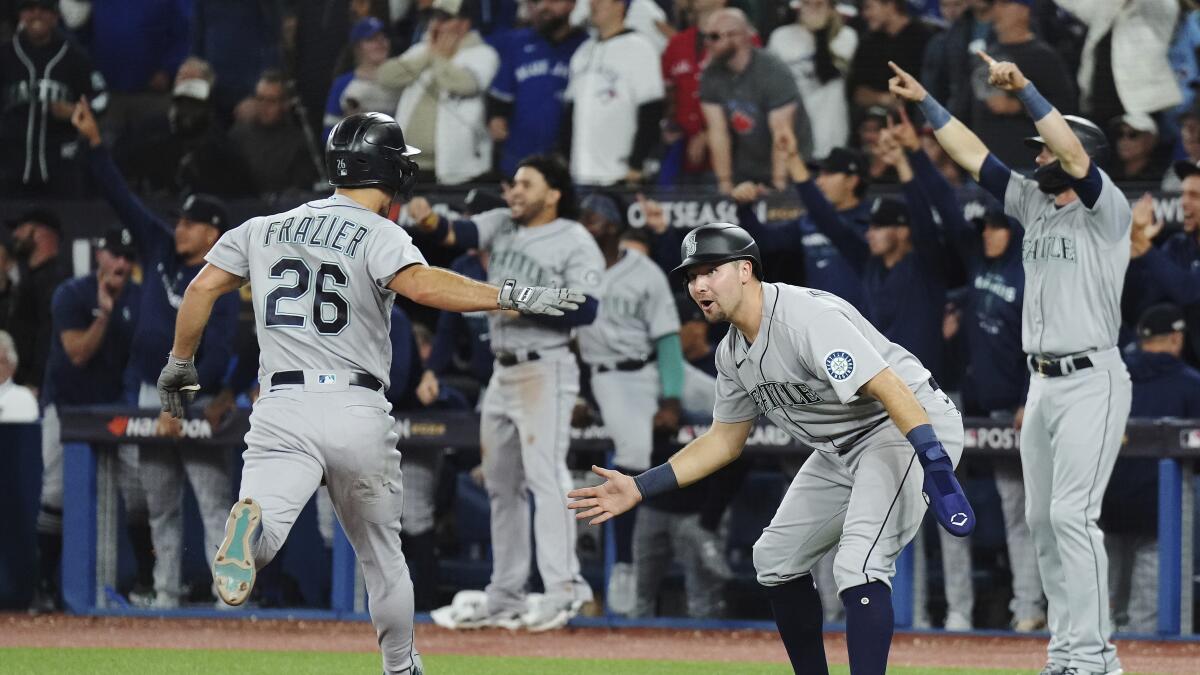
x,y
815,367
324,276
1075,252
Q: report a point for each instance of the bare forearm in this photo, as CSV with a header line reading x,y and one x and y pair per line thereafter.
x,y
963,146
443,289
721,152
704,457
82,345
902,405
192,318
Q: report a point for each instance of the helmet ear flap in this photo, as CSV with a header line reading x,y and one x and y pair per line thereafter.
x,y
408,177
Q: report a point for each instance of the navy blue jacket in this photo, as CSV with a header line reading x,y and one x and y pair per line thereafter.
x,y
101,379
472,327
405,373
1170,272
825,268
1163,386
165,278
907,302
996,377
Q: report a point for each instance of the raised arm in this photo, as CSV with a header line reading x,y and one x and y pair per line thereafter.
x,y
848,242
963,146
720,147
1050,123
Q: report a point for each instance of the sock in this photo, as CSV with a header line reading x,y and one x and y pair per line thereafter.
x,y
797,609
49,555
422,567
623,527
143,553
869,625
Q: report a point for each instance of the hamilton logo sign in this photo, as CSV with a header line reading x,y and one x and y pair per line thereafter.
x,y
147,427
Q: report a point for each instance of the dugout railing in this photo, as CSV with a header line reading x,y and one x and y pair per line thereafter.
x,y
91,503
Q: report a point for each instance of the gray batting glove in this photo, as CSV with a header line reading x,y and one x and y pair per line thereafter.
x,y
177,385
538,299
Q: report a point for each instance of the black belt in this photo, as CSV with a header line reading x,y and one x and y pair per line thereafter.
x,y
1054,367
625,366
358,379
510,359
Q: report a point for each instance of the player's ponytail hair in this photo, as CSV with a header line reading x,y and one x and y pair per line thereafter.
x,y
554,170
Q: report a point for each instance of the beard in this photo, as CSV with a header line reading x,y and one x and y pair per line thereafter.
x,y
23,248
532,209
1052,179
550,26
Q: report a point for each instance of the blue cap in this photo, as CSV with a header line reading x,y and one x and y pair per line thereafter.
x,y
603,206
365,28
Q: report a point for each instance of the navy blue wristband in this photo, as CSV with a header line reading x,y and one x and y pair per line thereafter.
x,y
935,114
929,448
1035,103
656,481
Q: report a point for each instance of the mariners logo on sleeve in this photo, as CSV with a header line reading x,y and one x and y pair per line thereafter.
x,y
839,365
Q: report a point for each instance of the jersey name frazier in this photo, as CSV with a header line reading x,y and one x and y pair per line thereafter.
x,y
771,395
323,231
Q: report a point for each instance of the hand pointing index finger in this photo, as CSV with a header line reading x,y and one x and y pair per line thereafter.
x,y
986,59
896,69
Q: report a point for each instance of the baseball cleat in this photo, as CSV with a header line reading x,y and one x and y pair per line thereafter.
x,y
469,611
233,568
545,615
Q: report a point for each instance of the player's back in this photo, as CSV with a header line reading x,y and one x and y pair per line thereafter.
x,y
318,277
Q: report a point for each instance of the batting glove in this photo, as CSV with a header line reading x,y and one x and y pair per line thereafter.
x,y
177,385
538,299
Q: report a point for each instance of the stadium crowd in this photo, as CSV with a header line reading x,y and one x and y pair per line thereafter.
x,y
197,102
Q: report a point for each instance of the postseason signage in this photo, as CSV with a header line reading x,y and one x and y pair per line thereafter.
x,y
107,425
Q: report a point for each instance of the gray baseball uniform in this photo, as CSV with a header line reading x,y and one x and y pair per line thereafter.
x,y
861,489
1075,260
319,274
638,309
526,412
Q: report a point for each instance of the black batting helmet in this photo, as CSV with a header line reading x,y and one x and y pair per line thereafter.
x,y
368,150
718,243
1095,143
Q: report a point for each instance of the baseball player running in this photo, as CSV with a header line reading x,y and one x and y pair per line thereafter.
x,y
524,426
1075,251
324,276
820,371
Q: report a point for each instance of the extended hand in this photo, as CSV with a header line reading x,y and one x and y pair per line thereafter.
x,y
1003,74
85,122
539,299
656,220
905,86
177,385
616,495
420,210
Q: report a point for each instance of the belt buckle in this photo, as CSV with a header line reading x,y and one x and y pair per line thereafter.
x,y
1041,366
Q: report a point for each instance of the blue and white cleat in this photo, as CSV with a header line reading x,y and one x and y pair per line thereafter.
x,y
233,568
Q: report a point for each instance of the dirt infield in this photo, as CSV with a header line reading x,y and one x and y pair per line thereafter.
x,y
18,630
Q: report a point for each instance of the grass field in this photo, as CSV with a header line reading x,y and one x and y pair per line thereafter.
x,y
172,661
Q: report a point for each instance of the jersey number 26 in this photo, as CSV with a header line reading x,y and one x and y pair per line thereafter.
x,y
297,287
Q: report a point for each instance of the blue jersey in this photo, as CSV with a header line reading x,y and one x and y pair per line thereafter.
x,y
532,77
165,278
100,380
